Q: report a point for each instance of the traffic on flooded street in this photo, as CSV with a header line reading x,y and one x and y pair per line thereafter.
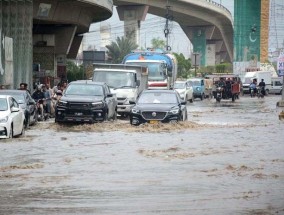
x,y
226,158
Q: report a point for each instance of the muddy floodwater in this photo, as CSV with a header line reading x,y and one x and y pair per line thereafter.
x,y
228,158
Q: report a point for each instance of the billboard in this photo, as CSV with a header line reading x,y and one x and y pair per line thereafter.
x,y
280,64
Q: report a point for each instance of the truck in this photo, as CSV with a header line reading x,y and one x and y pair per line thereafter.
x,y
258,75
125,81
162,67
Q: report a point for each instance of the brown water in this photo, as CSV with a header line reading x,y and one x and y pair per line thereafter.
x,y
227,159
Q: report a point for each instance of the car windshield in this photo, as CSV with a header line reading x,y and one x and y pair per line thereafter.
x,y
85,90
3,104
194,83
116,79
179,85
157,98
156,70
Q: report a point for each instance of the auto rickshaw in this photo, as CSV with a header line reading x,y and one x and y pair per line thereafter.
x,y
226,87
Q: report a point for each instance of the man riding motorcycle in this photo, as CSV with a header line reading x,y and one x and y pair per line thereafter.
x,y
262,87
39,97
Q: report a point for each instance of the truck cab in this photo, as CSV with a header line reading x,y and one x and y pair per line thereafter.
x,y
125,81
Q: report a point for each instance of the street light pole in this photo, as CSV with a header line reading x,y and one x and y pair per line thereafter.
x,y
195,54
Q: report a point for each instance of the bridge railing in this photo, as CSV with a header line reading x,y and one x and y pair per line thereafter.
x,y
219,5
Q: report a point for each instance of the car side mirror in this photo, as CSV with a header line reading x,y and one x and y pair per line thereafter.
x,y
183,102
109,95
132,102
15,109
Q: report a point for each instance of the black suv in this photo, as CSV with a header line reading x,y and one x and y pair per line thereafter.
x,y
86,101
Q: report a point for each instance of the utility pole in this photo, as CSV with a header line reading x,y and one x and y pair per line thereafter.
x,y
195,55
167,30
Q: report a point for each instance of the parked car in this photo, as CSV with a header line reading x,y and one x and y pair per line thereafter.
x,y
198,87
26,102
11,117
86,101
154,106
185,90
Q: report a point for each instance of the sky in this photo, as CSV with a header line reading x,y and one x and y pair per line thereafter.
x,y
153,27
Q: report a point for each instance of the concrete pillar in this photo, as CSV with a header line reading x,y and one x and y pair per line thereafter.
x,y
206,42
132,17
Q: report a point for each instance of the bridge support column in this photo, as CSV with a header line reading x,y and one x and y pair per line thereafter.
x,y
132,17
50,52
205,41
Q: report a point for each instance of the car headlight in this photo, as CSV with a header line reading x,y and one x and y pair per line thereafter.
x,y
198,88
3,120
98,105
132,99
134,110
174,111
61,103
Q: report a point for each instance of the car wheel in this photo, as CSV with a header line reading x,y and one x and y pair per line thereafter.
x,y
11,134
202,97
191,100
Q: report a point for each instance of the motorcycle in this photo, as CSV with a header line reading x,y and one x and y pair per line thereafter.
x,y
219,94
42,115
260,92
252,92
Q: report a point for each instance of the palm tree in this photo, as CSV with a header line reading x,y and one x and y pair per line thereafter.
x,y
118,49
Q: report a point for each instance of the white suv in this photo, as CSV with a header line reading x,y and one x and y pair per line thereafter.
x,y
185,90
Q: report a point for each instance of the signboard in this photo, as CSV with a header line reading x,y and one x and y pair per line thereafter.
x,y
280,64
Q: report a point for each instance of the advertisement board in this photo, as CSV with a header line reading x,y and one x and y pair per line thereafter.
x,y
280,64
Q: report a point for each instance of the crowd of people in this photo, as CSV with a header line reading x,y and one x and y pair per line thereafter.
x,y
46,97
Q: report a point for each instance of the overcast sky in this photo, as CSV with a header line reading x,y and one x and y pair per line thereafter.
x,y
153,27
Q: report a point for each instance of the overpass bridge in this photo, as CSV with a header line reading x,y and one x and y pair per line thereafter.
x,y
207,24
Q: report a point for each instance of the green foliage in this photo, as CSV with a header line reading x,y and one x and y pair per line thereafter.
x,y
74,72
118,49
184,66
224,68
158,43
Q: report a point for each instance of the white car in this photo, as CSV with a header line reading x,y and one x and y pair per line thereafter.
x,y
185,90
11,117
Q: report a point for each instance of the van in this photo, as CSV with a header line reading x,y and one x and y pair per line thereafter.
x,y
198,85
276,85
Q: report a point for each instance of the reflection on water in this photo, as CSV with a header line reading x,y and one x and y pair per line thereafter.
x,y
227,159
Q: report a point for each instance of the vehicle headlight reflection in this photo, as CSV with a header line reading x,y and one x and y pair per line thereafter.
x,y
174,111
134,110
62,103
3,120
98,105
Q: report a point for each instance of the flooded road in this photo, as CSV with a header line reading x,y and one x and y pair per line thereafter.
x,y
227,159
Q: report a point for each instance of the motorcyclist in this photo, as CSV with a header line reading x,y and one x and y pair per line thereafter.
x,y
262,86
38,96
252,86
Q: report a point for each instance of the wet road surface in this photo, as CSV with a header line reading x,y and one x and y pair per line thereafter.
x,y
227,159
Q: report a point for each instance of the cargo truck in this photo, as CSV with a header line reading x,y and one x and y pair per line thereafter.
x,y
125,81
258,75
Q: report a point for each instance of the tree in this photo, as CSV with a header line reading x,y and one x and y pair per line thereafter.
x,y
74,72
184,65
158,43
118,49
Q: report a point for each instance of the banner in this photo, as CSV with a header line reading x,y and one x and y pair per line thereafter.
x,y
280,64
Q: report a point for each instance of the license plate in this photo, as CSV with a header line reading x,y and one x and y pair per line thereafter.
x,y
154,122
78,114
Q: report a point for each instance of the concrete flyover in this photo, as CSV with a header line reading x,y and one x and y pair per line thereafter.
x,y
207,24
61,22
